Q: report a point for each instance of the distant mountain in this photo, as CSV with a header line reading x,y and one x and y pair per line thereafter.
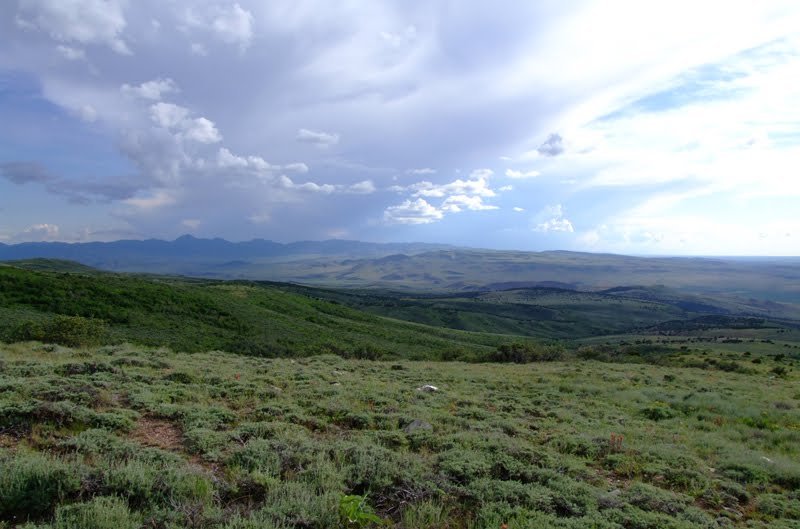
x,y
188,254
770,285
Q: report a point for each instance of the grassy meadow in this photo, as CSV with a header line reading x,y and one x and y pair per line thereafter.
x,y
164,402
127,436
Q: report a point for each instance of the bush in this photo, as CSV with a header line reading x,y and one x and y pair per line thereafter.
x,y
71,331
99,513
523,353
32,485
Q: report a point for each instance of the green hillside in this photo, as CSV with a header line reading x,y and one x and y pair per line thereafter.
x,y
196,315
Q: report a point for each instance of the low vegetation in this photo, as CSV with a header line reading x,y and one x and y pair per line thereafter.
x,y
199,315
128,436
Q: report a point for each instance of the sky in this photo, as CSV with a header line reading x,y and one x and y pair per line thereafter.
x,y
664,128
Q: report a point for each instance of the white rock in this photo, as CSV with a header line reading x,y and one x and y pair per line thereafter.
x,y
427,387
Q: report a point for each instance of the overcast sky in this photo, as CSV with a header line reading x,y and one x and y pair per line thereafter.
x,y
623,126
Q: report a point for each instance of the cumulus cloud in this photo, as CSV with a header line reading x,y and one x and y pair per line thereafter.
x,y
38,233
298,167
154,89
512,173
364,187
421,171
551,219
176,119
77,21
474,186
319,138
412,212
458,203
552,146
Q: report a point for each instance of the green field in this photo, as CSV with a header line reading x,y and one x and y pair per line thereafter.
x,y
198,315
655,409
125,436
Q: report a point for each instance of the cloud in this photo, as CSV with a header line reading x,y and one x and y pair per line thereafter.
x,y
154,89
319,138
458,203
362,188
38,233
474,186
298,167
81,191
176,119
551,219
645,110
77,21
70,53
412,212
511,173
234,25
552,146
191,224
158,199
518,209
25,172
505,188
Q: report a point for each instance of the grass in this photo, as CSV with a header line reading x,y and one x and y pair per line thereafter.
x,y
129,436
196,315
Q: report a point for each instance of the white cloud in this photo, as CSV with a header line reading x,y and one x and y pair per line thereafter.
x,y
70,53
511,173
176,118
202,130
153,90
457,203
551,219
518,209
38,233
80,21
234,25
505,188
412,212
319,138
230,24
475,186
311,187
298,167
421,171
192,224
362,188
158,199
168,115
555,225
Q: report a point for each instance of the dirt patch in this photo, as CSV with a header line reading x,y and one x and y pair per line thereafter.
x,y
158,434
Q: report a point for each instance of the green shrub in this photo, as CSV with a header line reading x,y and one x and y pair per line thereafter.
x,y
31,485
99,513
523,353
650,498
74,331
658,412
